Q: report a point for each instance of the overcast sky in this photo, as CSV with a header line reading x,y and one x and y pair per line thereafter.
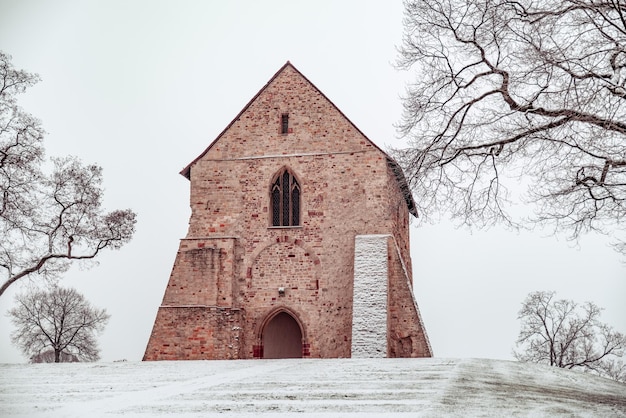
x,y
142,87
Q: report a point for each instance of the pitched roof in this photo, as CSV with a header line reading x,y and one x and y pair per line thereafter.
x,y
395,167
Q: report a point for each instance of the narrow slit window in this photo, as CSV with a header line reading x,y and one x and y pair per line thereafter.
x,y
284,123
276,204
285,200
295,204
286,221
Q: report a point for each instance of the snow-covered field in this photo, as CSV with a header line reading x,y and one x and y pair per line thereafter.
x,y
306,388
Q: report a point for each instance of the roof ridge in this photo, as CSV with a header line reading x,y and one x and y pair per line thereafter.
x,y
186,171
393,163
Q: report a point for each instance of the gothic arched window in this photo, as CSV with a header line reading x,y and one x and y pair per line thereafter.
x,y
285,196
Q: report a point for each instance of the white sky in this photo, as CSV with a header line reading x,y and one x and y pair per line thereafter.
x,y
142,87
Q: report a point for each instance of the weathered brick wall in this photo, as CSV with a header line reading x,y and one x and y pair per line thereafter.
x,y
233,258
203,273
400,218
336,206
193,270
406,334
195,333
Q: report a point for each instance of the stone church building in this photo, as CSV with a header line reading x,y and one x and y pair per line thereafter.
x,y
298,241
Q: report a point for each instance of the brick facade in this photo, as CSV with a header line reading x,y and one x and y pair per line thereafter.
x,y
234,271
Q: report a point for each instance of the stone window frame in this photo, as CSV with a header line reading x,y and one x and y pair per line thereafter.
x,y
285,208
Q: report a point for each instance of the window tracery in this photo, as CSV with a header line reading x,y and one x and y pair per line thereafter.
x,y
285,200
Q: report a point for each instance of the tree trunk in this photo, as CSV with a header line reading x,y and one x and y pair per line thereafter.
x,y
57,355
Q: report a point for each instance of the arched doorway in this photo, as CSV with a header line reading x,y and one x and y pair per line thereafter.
x,y
282,337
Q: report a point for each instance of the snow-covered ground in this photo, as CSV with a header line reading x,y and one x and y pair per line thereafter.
x,y
306,388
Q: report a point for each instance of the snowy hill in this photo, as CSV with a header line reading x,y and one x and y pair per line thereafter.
x,y
306,388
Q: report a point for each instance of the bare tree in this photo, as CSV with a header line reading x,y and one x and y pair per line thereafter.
x,y
614,369
46,220
59,319
510,89
564,334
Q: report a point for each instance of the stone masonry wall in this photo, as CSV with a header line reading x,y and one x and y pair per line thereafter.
x,y
196,333
232,258
400,220
406,334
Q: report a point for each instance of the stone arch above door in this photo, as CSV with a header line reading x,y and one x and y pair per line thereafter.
x,y
284,262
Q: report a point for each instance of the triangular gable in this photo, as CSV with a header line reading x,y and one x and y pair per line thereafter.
x,y
397,170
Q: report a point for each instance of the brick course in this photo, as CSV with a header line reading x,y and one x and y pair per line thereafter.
x,y
225,280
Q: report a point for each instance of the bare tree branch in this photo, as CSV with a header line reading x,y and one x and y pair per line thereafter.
x,y
537,90
46,220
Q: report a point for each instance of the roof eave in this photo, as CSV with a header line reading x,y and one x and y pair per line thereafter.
x,y
404,185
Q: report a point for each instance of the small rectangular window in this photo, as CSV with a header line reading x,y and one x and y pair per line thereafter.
x,y
284,121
